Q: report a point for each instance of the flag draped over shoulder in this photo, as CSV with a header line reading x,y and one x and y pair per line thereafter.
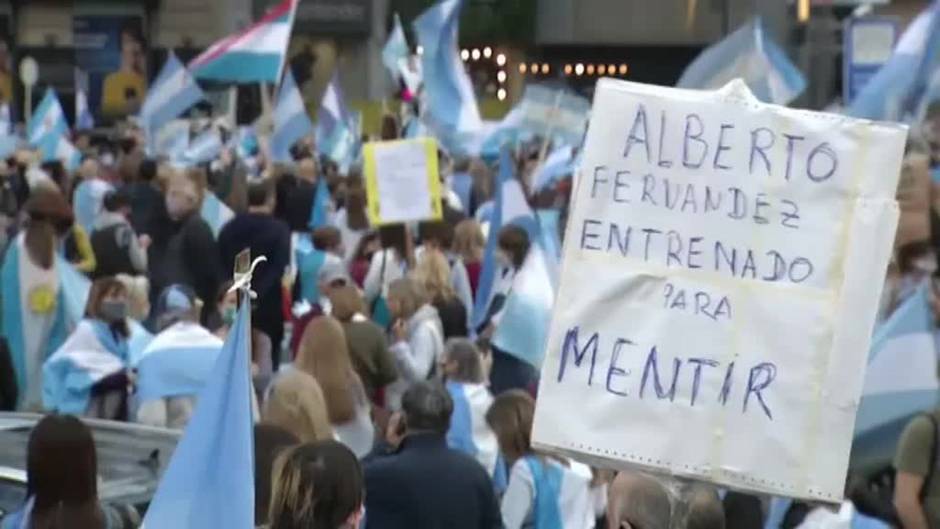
x,y
254,55
291,121
451,106
91,353
897,88
748,53
173,92
209,481
178,361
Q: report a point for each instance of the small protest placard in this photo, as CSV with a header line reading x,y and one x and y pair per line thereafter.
x,y
402,181
555,112
722,266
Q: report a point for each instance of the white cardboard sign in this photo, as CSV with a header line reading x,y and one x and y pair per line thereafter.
x,y
722,265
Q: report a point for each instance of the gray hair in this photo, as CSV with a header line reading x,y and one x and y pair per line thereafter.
x,y
699,507
641,500
427,407
467,356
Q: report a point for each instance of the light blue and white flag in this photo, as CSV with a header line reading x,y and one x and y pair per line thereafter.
x,y
204,148
215,212
91,353
509,207
209,481
901,378
291,121
59,148
171,140
87,202
522,329
256,54
469,431
48,120
752,55
6,120
8,145
505,133
177,362
335,136
898,87
308,261
83,117
173,92
451,106
557,165
555,111
396,49
39,310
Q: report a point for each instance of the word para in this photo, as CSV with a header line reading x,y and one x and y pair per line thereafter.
x,y
696,302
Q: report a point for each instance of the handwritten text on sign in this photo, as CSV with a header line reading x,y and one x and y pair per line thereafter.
x,y
722,265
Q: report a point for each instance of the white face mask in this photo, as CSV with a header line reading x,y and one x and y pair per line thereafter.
x,y
926,264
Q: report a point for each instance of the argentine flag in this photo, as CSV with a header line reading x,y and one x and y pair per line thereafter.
x,y
172,93
291,121
177,362
748,53
83,117
215,212
895,91
254,55
204,148
171,140
469,431
91,353
396,49
208,482
335,137
451,103
59,148
558,164
901,378
39,309
48,120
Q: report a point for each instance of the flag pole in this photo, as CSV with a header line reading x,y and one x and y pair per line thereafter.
x,y
241,283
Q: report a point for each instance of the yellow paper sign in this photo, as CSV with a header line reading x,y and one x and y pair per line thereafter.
x,y
402,181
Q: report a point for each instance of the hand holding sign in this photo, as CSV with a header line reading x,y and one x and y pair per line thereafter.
x,y
721,273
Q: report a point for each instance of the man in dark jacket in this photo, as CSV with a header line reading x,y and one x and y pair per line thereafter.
x,y
264,235
146,199
424,483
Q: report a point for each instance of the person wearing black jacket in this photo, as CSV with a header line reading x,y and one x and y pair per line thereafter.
x,y
265,235
423,483
184,250
146,200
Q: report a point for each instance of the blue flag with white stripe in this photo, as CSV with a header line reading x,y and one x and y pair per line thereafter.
x,y
215,212
897,88
171,140
451,105
177,362
209,482
204,148
291,121
509,207
47,121
748,53
336,138
396,48
173,92
83,117
92,352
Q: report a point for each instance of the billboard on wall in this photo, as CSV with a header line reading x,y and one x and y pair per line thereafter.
x,y
111,50
327,17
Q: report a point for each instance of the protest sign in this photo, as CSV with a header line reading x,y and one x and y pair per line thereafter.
x,y
553,112
402,181
721,272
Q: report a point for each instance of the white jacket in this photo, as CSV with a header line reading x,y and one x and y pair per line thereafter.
x,y
416,356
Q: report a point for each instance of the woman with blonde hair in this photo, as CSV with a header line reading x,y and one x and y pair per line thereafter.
x,y
323,354
469,244
417,334
433,273
368,348
296,404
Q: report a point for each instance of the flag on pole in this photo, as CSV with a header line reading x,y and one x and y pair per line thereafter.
x,y
172,93
335,137
204,148
209,482
509,207
748,53
396,49
83,117
898,87
523,327
254,55
291,121
47,121
451,104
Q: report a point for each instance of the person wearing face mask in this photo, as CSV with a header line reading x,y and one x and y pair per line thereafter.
x,y
183,249
175,365
87,375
